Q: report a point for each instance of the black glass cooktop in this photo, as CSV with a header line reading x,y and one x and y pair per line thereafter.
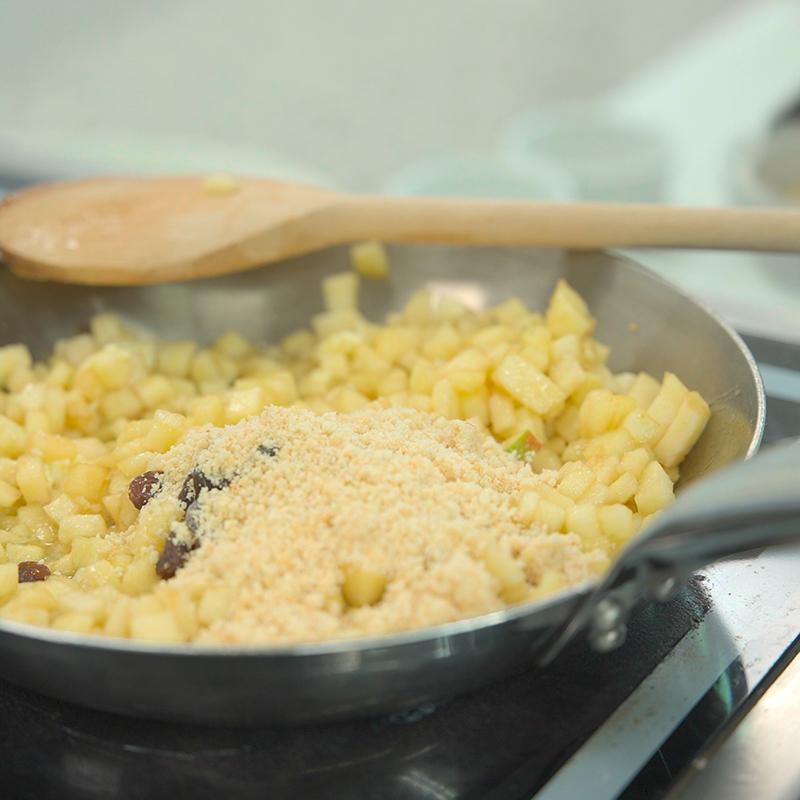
x,y
507,741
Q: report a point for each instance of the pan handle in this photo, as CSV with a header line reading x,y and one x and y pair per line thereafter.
x,y
751,505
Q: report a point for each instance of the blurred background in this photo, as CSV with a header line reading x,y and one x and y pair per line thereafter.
x,y
687,102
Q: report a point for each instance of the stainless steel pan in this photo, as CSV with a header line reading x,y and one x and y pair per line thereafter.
x,y
323,681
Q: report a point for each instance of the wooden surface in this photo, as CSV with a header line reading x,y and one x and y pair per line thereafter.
x,y
134,231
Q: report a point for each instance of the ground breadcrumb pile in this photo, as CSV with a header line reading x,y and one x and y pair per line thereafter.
x,y
315,527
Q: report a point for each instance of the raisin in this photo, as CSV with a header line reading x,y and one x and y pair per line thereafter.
x,y
196,481
143,487
270,450
193,517
30,571
174,555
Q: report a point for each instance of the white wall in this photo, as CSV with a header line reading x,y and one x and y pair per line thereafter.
x,y
357,87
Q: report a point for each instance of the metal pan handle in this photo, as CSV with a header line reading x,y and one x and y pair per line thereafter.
x,y
751,505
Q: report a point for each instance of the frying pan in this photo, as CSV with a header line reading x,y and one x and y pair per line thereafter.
x,y
649,325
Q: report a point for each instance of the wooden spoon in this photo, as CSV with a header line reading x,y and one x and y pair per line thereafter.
x,y
127,231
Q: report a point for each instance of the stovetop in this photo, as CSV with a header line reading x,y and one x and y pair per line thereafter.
x,y
622,725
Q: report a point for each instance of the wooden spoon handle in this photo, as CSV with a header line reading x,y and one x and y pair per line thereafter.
x,y
575,226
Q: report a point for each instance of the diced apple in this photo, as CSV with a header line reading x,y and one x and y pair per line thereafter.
x,y
528,385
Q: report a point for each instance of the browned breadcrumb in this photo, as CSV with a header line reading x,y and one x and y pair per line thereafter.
x,y
396,492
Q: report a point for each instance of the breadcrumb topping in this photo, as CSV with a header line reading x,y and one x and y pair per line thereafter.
x,y
419,504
